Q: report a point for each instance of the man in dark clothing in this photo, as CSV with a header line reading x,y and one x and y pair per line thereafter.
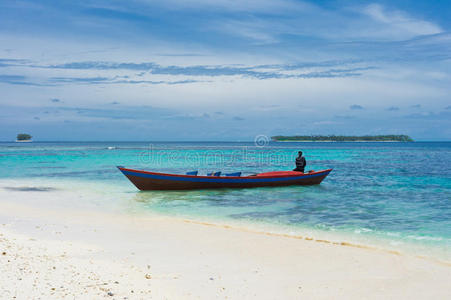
x,y
300,163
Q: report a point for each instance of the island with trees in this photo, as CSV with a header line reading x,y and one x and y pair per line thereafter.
x,y
343,138
23,137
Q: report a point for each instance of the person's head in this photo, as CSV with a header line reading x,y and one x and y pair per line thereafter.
x,y
300,153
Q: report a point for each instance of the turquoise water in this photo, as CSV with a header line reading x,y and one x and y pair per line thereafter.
x,y
397,193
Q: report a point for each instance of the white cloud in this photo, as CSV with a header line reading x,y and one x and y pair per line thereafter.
x,y
255,30
400,21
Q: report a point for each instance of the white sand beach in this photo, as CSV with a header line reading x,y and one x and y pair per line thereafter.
x,y
63,253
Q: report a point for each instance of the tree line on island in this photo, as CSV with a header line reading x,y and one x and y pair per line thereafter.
x,y
343,138
23,137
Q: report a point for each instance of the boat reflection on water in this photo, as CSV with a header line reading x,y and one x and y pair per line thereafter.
x,y
189,195
229,202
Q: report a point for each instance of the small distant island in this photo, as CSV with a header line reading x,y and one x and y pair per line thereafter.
x,y
342,138
23,137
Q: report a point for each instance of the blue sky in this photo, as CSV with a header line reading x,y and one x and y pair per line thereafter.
x,y
224,69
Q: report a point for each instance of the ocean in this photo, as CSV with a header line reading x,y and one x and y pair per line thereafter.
x,y
391,195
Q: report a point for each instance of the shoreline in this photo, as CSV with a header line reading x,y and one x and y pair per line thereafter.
x,y
100,258
131,203
65,252
338,240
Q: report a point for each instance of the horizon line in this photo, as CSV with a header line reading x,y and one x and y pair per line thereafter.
x,y
210,141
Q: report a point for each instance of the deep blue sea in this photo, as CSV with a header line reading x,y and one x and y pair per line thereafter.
x,y
390,193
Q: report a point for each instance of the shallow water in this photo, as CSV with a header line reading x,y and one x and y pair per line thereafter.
x,y
395,193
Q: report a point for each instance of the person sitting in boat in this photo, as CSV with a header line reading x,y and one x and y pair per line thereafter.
x,y
300,163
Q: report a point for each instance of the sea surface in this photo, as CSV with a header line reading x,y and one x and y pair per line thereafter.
x,y
393,195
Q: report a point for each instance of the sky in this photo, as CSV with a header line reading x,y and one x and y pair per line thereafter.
x,y
181,70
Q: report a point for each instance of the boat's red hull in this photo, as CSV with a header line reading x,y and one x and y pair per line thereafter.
x,y
144,180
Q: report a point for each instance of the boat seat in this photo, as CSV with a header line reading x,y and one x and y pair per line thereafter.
x,y
216,174
236,174
193,173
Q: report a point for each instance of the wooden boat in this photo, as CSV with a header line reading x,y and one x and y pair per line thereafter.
x,y
145,180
